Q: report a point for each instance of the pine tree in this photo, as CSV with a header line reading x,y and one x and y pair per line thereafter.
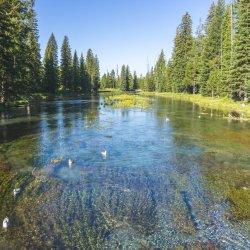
x,y
96,74
135,81
141,83
225,87
33,50
109,80
212,56
206,55
160,73
19,66
66,65
50,62
194,64
241,52
112,79
169,76
199,42
75,72
104,81
123,79
92,66
213,82
190,73
182,46
149,81
84,81
129,79
20,85
8,49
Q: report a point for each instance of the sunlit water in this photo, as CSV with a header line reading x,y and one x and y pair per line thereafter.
x,y
149,192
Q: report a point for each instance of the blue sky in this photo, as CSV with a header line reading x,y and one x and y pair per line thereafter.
x,y
119,31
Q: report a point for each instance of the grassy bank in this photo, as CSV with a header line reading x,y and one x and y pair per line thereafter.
x,y
236,110
110,90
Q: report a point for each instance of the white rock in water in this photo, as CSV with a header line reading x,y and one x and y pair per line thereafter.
x,y
6,223
70,163
104,153
16,191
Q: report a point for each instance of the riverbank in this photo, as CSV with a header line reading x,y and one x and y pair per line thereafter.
x,y
24,100
231,109
39,97
126,100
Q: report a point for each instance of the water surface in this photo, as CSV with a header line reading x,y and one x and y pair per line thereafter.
x,y
168,182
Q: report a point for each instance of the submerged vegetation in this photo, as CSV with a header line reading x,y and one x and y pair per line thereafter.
x,y
231,184
134,198
128,101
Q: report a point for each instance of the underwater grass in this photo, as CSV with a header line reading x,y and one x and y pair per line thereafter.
x,y
230,184
224,104
19,154
128,101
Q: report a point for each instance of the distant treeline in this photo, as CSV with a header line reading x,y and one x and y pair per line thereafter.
x,y
73,74
213,62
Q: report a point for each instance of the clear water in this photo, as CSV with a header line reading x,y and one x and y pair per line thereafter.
x,y
151,191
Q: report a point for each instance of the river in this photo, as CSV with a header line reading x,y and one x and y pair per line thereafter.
x,y
176,176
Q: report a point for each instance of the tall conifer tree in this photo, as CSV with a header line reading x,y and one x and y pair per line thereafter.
x,y
135,81
241,52
150,80
211,56
123,79
225,87
92,66
112,79
169,79
160,73
66,65
50,62
83,75
182,46
33,50
19,50
75,72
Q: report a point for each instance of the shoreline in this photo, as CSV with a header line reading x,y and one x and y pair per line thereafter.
x,y
232,109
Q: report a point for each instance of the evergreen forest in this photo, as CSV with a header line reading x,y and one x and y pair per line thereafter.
x,y
213,60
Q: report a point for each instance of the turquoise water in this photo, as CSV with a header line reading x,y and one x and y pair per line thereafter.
x,y
151,191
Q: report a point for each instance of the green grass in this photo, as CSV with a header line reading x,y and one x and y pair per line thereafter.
x,y
109,90
224,104
128,101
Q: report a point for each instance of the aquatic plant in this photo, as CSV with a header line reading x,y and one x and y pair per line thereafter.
x,y
128,101
230,184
